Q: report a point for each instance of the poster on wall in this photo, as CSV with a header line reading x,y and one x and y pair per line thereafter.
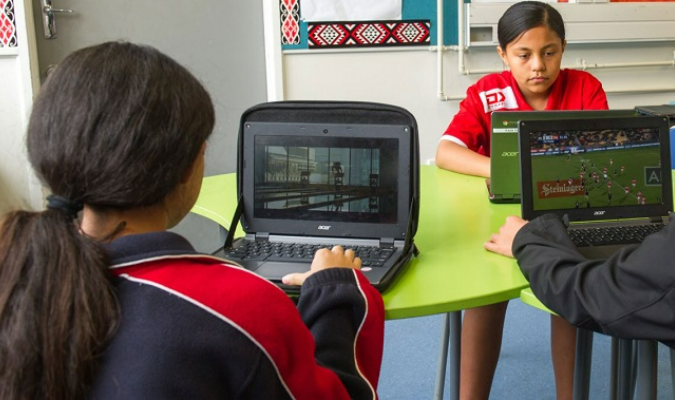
x,y
7,24
350,10
322,24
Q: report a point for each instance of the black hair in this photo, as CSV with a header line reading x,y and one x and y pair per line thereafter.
x,y
525,15
115,126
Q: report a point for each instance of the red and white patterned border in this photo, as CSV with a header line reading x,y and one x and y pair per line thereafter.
x,y
290,21
7,24
368,33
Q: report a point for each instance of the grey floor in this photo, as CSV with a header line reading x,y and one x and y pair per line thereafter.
x,y
411,348
524,370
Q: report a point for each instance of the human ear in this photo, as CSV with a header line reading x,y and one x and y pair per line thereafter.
x,y
502,55
564,43
191,169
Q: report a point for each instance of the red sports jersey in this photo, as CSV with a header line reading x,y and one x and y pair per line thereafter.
x,y
470,127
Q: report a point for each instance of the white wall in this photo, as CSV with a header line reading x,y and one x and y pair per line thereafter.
x,y
18,185
403,77
408,78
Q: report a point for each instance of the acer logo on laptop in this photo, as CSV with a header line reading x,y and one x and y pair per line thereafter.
x,y
324,227
599,212
509,153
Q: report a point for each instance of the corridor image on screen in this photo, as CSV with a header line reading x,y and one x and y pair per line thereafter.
x,y
595,168
322,178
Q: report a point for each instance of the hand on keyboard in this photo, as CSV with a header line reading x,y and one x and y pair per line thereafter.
x,y
323,259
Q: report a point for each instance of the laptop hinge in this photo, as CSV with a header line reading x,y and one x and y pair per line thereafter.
x,y
262,237
656,220
387,242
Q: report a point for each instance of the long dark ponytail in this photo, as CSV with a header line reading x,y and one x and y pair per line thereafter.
x,y
115,126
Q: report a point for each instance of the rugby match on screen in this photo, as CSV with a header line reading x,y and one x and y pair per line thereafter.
x,y
597,168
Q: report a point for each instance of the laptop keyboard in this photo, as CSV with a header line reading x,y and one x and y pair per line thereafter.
x,y
371,256
583,237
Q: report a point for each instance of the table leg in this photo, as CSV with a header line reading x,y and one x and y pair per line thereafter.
x,y
451,332
455,352
614,371
672,370
625,369
582,364
646,370
442,358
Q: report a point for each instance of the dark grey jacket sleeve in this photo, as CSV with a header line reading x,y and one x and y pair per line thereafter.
x,y
630,295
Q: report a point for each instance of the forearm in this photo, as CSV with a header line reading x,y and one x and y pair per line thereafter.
x,y
453,157
628,295
346,317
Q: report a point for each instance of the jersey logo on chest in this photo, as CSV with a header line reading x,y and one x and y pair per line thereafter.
x,y
498,99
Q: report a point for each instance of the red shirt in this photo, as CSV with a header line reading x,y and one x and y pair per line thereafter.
x,y
470,127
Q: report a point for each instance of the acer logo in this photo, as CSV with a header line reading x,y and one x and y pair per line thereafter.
x,y
324,227
598,213
509,153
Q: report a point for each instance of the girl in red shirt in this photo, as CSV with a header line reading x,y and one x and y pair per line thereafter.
x,y
531,43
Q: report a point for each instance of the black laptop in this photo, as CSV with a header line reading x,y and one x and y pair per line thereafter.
x,y
504,182
609,178
318,174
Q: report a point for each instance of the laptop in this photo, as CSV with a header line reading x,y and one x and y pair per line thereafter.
x,y
504,183
311,182
666,110
605,173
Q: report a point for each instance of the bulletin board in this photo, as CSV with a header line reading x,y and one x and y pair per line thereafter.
x,y
585,21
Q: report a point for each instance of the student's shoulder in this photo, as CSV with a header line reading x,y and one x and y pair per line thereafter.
x,y
207,280
575,75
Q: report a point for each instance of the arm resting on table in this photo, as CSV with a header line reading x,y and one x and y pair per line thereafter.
x,y
629,295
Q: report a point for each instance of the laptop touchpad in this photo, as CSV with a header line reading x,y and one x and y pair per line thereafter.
x,y
276,270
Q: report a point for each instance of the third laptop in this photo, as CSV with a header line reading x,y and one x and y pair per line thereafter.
x,y
504,185
608,178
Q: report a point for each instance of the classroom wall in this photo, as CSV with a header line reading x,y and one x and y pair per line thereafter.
x,y
403,76
408,78
14,172
235,78
18,185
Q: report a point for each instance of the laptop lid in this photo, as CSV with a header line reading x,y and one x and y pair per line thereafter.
x,y
666,110
597,170
318,184
326,180
504,186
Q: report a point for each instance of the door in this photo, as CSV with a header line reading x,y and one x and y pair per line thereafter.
x,y
220,42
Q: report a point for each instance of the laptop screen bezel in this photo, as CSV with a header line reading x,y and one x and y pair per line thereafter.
x,y
515,116
527,128
505,167
396,230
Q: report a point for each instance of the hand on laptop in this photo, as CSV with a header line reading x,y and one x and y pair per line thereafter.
x,y
323,259
502,242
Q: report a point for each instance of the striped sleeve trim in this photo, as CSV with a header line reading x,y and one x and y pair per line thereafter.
x,y
453,139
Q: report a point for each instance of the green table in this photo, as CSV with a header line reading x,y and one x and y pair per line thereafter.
x,y
452,273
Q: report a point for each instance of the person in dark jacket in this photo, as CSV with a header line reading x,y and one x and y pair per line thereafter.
x,y
629,295
98,300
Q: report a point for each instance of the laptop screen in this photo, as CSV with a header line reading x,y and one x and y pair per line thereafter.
x,y
504,159
599,169
326,179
